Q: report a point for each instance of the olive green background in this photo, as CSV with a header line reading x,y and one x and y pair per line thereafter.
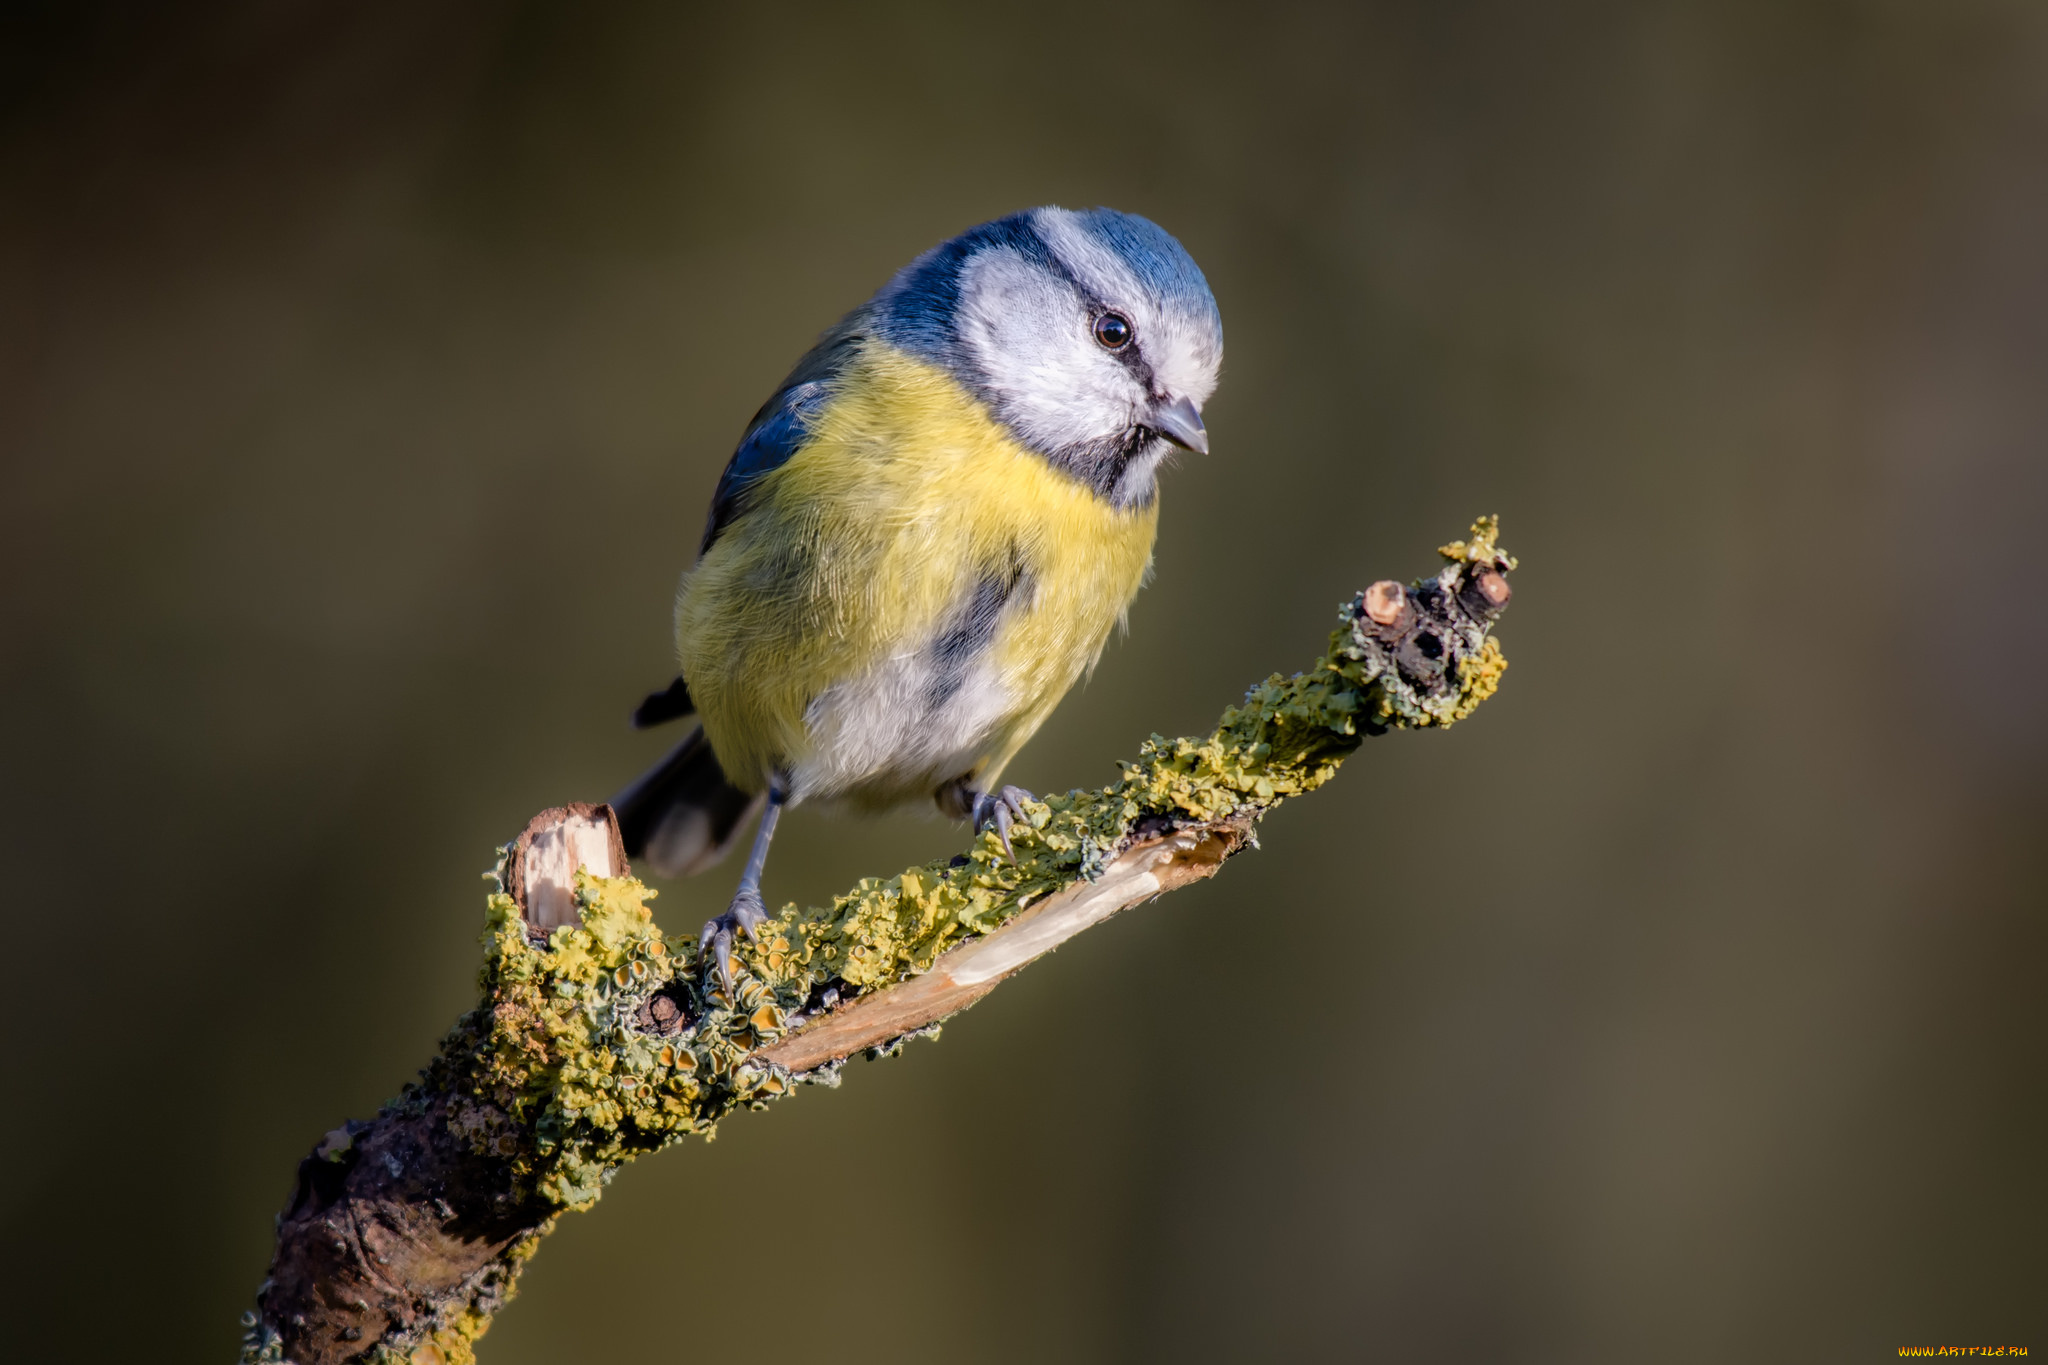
x,y
364,373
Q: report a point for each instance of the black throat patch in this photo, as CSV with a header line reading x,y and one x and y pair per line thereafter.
x,y
1103,463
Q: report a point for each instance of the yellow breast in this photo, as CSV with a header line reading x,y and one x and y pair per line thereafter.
x,y
809,631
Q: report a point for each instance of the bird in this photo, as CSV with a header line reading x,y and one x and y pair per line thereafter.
x,y
925,537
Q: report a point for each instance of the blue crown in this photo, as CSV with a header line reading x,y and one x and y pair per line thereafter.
x,y
917,309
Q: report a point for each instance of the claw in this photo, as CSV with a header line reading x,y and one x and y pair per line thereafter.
x,y
717,941
999,811
746,912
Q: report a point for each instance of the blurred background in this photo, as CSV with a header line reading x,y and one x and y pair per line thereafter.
x,y
365,370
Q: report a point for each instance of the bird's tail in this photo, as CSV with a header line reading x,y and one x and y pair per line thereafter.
x,y
681,815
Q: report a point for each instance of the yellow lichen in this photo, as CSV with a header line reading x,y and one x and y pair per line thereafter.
x,y
561,1075
1482,548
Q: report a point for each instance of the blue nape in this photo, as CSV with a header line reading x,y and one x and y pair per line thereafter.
x,y
915,311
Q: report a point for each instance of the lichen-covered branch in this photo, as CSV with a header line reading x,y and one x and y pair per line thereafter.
x,y
599,1039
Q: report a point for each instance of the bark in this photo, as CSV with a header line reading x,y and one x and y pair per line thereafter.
x,y
597,1039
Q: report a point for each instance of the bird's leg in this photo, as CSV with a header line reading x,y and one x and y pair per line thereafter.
x,y
998,811
747,910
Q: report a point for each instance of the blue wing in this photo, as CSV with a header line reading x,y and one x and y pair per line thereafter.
x,y
783,424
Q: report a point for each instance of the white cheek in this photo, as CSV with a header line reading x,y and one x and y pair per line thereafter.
x,y
1028,336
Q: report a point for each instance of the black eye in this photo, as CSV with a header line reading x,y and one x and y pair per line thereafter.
x,y
1113,330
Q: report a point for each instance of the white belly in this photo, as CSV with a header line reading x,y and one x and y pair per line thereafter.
x,y
900,731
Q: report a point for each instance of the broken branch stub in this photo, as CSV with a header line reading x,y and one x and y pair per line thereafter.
x,y
403,1201
541,867
598,1039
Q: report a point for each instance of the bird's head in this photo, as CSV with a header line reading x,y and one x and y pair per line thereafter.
x,y
1091,336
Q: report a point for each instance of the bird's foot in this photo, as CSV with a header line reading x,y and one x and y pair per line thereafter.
x,y
745,913
998,811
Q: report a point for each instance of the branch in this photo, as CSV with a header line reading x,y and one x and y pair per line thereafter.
x,y
598,1040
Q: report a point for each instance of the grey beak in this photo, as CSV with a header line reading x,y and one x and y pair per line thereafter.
x,y
1179,423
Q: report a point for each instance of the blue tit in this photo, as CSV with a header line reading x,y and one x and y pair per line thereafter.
x,y
926,536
